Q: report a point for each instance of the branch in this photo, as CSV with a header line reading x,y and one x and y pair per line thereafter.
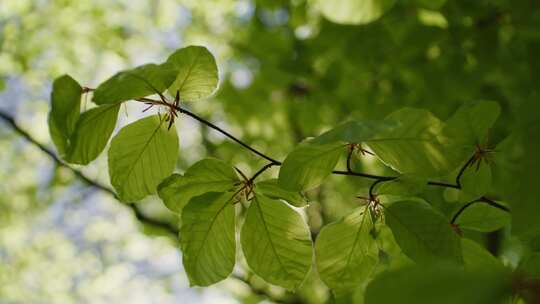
x,y
139,214
483,199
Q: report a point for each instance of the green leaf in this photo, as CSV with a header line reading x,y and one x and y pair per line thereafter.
x,y
65,111
431,4
271,189
415,146
353,132
207,238
307,165
207,175
405,185
476,257
441,284
142,154
139,82
345,251
92,132
475,182
197,75
423,234
276,242
530,266
482,217
470,124
353,11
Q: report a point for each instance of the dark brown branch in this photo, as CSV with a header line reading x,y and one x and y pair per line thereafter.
x,y
483,199
139,214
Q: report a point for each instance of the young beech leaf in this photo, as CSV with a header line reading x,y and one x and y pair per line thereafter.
x,y
307,165
271,189
476,257
439,283
207,175
423,234
92,132
475,182
197,75
139,82
353,11
207,238
346,252
415,146
353,132
470,124
142,154
482,217
405,185
276,242
65,109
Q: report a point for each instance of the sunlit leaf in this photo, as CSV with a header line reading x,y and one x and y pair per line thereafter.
x,y
476,257
142,154
207,175
92,132
139,82
405,185
276,242
346,252
197,75
423,234
475,181
353,132
354,11
307,165
415,146
272,189
207,238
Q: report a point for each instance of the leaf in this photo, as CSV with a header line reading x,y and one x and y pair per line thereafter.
x,y
470,124
207,238
276,242
482,217
431,4
345,252
476,257
352,132
65,108
197,75
92,132
439,283
354,11
271,189
207,175
415,146
135,83
475,182
423,234
405,185
307,165
142,154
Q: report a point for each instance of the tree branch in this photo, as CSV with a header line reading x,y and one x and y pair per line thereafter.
x,y
483,199
139,214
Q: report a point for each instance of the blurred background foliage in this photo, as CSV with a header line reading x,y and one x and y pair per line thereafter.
x,y
289,70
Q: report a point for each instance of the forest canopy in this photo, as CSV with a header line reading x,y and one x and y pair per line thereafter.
x,y
351,151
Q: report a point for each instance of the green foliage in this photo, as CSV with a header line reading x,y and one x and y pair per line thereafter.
x,y
92,132
65,108
475,181
207,175
276,242
415,145
477,257
207,238
354,11
483,217
141,81
405,185
438,283
142,154
308,165
423,234
196,73
272,189
346,252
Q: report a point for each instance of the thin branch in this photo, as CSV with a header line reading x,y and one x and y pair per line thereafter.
x,y
139,214
264,168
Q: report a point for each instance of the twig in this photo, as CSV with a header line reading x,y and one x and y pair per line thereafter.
x,y
483,199
139,214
